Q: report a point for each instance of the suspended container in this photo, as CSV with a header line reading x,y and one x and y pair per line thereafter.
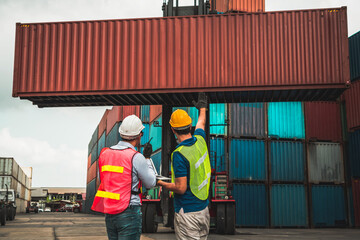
x,y
93,140
247,120
352,100
156,133
251,205
354,154
9,167
101,144
114,136
247,160
218,118
325,162
328,206
356,200
145,113
226,6
286,120
287,160
288,206
354,55
323,121
218,156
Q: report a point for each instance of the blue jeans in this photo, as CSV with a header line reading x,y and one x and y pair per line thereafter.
x,y
125,225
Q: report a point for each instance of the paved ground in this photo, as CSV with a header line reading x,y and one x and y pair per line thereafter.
x,y
58,226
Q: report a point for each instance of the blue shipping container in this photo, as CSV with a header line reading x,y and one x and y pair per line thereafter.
x,y
288,206
156,158
328,206
156,134
354,153
251,204
101,143
146,134
114,136
287,161
217,154
354,56
218,117
286,120
247,159
145,113
247,119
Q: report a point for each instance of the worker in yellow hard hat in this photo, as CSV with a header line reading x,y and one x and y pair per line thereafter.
x,y
190,174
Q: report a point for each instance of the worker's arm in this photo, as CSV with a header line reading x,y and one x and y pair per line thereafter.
x,y
202,119
201,105
179,187
144,171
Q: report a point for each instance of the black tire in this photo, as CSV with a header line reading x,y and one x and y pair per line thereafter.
x,y
143,212
3,217
150,225
230,219
220,218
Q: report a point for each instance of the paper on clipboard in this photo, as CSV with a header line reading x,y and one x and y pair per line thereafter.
x,y
158,177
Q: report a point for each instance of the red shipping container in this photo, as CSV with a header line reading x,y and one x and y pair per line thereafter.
x,y
265,56
155,111
89,161
131,110
356,200
352,101
323,121
102,123
114,116
239,5
91,174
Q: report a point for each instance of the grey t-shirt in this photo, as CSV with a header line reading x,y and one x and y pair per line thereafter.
x,y
142,170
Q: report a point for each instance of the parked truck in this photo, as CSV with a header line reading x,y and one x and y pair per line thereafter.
x,y
7,205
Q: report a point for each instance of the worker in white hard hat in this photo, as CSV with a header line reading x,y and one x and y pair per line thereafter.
x,y
122,169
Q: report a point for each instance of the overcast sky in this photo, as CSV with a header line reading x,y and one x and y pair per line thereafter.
x,y
54,140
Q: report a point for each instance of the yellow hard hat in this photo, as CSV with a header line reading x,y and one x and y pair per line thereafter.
x,y
180,120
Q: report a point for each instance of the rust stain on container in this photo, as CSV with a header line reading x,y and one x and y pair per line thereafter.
x,y
352,100
292,55
239,5
322,121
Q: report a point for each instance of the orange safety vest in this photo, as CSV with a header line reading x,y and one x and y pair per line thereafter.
x,y
114,193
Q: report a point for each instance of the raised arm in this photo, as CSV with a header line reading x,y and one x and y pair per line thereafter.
x,y
201,105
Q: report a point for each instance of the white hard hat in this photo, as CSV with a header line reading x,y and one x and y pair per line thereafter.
x,y
131,127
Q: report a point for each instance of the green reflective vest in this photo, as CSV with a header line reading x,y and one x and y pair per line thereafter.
x,y
200,169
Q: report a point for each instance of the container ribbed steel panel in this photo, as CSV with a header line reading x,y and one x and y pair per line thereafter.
x,y
145,113
352,100
156,134
155,111
286,120
89,162
218,117
251,204
325,162
218,154
328,206
146,134
114,116
90,195
156,158
323,121
93,140
9,167
91,173
102,123
354,55
356,200
354,153
130,110
10,181
114,136
288,206
287,160
247,119
101,144
225,6
253,57
94,154
247,159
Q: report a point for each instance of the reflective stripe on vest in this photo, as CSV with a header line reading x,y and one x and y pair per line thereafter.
x,y
115,196
109,168
200,169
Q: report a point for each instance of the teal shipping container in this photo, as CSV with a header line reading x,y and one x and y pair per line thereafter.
x,y
217,154
354,55
287,161
101,143
351,207
146,134
251,205
288,205
156,134
328,206
354,153
218,118
114,136
286,120
145,113
94,154
247,159
90,195
156,158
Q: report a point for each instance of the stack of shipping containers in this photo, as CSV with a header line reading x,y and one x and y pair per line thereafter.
x,y
12,175
352,136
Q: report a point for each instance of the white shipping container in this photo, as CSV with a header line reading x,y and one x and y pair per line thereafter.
x,y
27,195
8,167
10,181
21,205
22,176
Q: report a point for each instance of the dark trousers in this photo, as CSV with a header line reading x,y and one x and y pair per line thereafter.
x,y
125,225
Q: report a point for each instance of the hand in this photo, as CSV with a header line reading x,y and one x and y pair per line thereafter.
x,y
202,101
147,150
